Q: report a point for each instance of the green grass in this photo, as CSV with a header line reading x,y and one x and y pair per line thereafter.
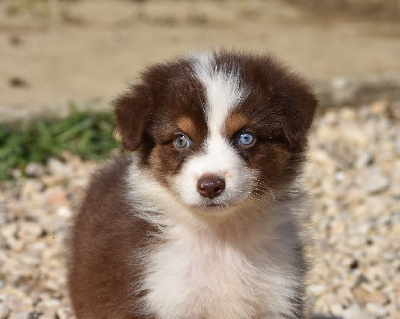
x,y
87,135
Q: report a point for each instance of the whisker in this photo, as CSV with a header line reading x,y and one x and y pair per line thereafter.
x,y
266,186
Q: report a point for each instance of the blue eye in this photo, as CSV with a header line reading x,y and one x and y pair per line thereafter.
x,y
246,139
181,141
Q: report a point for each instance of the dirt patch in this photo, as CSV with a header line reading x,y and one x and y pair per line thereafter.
x,y
53,52
363,9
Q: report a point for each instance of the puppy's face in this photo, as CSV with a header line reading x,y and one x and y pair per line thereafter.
x,y
218,129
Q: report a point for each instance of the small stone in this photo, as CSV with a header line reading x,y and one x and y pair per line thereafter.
x,y
57,167
377,310
29,260
56,195
30,231
50,303
64,313
329,302
30,189
377,298
34,170
396,191
22,315
375,182
51,224
340,176
16,173
348,114
365,296
365,159
356,312
356,241
317,289
64,211
378,107
4,311
9,230
52,180
345,296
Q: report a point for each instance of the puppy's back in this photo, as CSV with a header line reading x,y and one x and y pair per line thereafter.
x,y
102,260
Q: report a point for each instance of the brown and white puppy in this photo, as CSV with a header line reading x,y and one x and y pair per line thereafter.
x,y
203,219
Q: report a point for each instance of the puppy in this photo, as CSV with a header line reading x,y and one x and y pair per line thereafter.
x,y
204,218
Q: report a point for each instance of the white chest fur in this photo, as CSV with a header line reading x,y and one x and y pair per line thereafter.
x,y
246,267
201,275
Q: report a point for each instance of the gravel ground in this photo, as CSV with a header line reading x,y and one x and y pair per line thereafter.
x,y
354,175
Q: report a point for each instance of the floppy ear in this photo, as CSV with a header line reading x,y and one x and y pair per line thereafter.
x,y
132,111
299,105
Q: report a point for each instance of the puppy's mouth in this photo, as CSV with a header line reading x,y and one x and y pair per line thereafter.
x,y
211,206
216,205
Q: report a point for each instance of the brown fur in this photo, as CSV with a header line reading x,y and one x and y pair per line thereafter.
x,y
103,247
234,123
187,125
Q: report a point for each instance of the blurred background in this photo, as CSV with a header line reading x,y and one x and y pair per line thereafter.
x,y
63,61
57,51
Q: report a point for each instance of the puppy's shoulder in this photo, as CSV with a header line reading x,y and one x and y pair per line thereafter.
x,y
106,194
109,180
106,212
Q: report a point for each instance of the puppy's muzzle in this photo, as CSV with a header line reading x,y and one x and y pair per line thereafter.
x,y
210,186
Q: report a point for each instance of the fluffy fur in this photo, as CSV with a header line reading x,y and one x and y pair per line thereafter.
x,y
148,244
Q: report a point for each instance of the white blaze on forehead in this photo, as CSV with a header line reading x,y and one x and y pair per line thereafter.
x,y
223,90
223,93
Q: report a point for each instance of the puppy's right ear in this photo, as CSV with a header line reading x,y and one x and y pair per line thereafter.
x,y
132,111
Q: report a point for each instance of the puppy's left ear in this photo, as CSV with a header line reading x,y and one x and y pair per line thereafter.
x,y
132,111
299,107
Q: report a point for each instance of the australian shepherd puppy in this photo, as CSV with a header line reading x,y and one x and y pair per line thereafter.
x,y
203,219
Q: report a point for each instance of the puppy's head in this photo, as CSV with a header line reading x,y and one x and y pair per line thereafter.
x,y
218,129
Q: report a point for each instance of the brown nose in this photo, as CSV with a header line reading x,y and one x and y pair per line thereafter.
x,y
210,186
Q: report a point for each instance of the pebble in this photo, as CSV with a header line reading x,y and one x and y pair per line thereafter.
x,y
22,315
377,310
64,313
34,170
59,168
4,311
365,296
64,211
374,181
9,230
354,177
29,231
356,312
